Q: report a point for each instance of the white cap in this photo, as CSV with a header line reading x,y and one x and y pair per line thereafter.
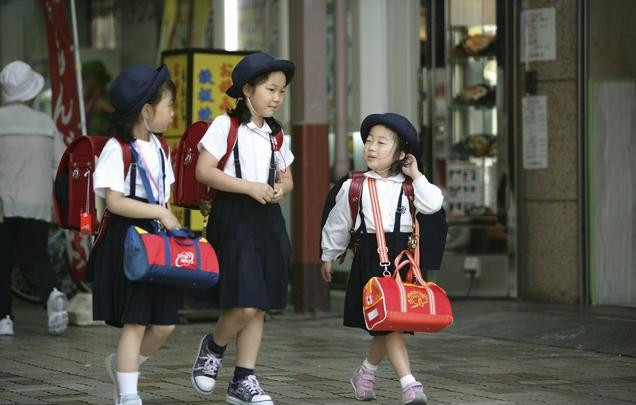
x,y
19,82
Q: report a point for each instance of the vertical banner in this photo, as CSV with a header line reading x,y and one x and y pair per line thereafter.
x,y
64,97
65,108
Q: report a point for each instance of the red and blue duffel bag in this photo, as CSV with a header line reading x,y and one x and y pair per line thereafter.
x,y
170,257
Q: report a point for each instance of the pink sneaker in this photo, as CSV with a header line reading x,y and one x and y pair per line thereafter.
x,y
363,385
413,394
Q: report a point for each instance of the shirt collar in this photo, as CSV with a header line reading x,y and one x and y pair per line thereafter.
x,y
265,129
398,178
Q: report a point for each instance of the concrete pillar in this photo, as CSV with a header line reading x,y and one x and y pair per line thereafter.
x,y
386,57
310,129
340,75
548,198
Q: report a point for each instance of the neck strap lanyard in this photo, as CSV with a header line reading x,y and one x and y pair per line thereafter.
x,y
146,175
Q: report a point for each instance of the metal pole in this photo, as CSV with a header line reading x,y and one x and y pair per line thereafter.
x,y
78,69
340,65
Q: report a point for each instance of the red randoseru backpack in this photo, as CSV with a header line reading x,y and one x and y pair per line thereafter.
x,y
74,179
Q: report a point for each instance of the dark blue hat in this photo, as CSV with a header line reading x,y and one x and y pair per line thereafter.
x,y
397,123
134,87
254,65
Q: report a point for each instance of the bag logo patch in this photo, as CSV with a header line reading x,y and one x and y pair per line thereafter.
x,y
184,259
417,299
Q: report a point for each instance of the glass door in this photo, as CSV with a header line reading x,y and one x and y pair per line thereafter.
x,y
468,145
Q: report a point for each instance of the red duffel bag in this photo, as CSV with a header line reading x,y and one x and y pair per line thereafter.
x,y
392,304
411,305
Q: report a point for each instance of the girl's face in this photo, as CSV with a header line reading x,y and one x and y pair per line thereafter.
x,y
160,117
267,97
381,150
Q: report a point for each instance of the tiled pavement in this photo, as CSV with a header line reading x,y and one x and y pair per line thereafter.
x,y
498,352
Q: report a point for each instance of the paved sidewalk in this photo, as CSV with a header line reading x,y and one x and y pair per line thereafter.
x,y
497,352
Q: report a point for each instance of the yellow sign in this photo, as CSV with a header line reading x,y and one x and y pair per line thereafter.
x,y
212,75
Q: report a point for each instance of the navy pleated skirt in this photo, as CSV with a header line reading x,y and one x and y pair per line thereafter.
x,y
366,265
118,301
254,252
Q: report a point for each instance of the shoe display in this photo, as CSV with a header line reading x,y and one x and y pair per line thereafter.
x,y
111,368
413,394
6,326
247,391
475,45
129,399
480,95
205,368
56,309
363,385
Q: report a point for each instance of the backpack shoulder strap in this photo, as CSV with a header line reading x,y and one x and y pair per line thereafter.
x,y
164,145
278,140
127,156
407,186
355,191
231,140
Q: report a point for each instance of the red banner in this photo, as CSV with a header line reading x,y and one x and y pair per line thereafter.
x,y
65,102
65,107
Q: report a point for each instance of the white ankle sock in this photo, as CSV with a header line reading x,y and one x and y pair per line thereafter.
x,y
368,367
127,383
406,380
142,359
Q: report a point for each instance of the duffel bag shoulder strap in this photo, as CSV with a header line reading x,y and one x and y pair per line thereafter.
x,y
383,251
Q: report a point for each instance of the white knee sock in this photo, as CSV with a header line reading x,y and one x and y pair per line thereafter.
x,y
127,383
406,380
368,367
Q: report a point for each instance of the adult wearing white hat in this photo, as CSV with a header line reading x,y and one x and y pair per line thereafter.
x,y
27,164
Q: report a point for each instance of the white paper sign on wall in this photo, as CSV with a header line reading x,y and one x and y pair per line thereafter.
x,y
538,40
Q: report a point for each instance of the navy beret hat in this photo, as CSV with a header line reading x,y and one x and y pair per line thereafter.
x,y
402,127
134,87
256,64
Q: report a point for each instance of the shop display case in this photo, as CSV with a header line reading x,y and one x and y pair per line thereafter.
x,y
468,146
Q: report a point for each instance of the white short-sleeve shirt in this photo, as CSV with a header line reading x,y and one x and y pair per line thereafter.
x,y
109,171
253,145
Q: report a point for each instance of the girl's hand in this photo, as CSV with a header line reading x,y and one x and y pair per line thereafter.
x,y
262,193
278,193
325,270
410,167
168,220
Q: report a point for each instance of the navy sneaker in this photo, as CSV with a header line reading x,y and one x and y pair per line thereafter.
x,y
205,368
247,392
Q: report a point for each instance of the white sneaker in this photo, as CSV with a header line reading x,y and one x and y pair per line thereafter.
x,y
56,309
6,326
129,399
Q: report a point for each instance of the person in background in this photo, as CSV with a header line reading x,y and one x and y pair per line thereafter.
x,y
27,164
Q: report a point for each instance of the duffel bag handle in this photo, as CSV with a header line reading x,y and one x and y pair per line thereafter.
x,y
181,233
183,242
413,271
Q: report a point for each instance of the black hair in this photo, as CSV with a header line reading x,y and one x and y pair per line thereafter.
x,y
122,127
243,113
396,167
